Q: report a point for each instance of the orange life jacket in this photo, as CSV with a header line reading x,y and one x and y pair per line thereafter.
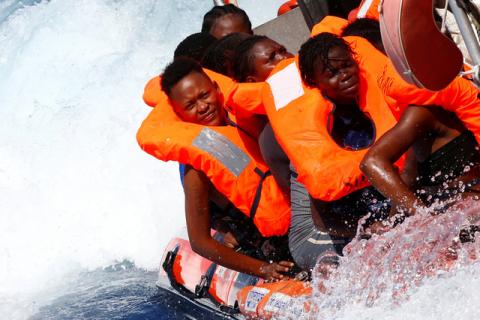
x,y
241,99
459,97
229,158
369,9
330,24
299,117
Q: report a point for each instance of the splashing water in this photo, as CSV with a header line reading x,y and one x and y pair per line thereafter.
x,y
418,270
76,191
78,195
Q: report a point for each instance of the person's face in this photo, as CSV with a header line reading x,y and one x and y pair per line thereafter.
x,y
339,79
266,55
227,24
197,99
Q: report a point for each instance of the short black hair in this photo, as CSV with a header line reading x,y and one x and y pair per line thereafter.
x,y
176,71
219,11
316,49
365,28
243,60
220,56
194,46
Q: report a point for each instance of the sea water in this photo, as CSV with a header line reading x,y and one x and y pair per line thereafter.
x,y
85,214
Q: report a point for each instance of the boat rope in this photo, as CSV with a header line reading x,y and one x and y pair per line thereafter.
x,y
443,29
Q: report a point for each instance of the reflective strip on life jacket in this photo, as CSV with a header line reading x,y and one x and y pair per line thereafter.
x,y
369,9
286,86
224,150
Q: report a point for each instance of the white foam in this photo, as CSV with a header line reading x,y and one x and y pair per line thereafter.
x,y
76,192
419,270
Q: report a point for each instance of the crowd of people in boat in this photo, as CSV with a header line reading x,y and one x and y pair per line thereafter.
x,y
290,157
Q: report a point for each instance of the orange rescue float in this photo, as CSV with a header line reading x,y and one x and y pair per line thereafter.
x,y
230,292
269,300
199,279
287,6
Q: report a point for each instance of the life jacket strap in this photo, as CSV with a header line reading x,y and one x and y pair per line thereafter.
x,y
168,267
258,192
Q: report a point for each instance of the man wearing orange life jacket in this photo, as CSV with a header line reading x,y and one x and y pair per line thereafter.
x,y
220,162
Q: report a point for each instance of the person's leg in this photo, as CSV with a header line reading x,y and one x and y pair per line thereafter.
x,y
275,158
305,241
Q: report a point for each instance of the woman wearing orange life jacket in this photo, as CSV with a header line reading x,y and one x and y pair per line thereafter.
x,y
254,60
221,161
325,117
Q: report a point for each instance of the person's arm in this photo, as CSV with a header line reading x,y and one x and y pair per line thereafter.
x,y
197,192
410,172
378,164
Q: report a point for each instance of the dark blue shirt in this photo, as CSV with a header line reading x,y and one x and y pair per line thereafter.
x,y
181,168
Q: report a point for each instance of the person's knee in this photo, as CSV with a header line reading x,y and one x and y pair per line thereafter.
x,y
304,259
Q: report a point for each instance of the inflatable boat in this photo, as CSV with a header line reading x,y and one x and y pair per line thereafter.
x,y
216,291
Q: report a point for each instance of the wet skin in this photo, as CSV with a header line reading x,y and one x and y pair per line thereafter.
x,y
197,99
338,80
266,54
426,129
228,24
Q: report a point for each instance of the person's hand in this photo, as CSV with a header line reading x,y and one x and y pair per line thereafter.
x,y
274,271
229,240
